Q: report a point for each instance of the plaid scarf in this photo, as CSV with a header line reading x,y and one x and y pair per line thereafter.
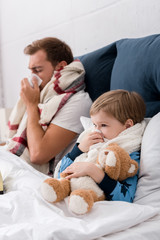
x,y
64,83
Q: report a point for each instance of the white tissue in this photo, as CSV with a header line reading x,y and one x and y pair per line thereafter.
x,y
39,80
97,130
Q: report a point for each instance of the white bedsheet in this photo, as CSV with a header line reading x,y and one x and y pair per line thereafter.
x,y
24,214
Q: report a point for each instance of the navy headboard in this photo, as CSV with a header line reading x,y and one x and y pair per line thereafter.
x,y
98,66
131,64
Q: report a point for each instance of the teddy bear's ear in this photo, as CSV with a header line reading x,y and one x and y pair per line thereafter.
x,y
109,162
133,168
112,165
102,158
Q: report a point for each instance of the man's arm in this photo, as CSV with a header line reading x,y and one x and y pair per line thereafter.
x,y
44,145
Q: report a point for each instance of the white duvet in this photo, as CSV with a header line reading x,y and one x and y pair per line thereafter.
x,y
24,214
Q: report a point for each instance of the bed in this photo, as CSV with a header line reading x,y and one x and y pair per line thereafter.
x,y
131,64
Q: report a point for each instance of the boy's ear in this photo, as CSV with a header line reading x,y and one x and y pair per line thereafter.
x,y
129,123
60,64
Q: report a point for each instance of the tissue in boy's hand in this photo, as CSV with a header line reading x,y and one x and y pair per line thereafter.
x,y
39,80
96,130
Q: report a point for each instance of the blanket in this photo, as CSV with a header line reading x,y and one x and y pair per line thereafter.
x,y
130,140
25,213
64,83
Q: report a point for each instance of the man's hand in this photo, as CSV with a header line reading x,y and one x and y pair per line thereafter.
x,y
30,95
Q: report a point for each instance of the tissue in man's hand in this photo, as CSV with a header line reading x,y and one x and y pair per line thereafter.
x,y
39,80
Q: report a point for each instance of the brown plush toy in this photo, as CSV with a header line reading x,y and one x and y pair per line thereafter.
x,y
117,163
83,191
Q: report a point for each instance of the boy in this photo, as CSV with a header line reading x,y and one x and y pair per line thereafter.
x,y
118,116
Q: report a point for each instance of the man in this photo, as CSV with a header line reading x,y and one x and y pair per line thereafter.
x,y
48,57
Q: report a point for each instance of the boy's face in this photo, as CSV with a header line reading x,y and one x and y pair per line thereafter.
x,y
107,124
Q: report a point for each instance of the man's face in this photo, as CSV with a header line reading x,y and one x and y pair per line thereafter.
x,y
39,65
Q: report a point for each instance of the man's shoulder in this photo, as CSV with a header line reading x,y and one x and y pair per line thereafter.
x,y
69,115
81,96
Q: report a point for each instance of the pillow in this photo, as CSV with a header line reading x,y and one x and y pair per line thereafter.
x,y
148,188
98,66
137,68
86,122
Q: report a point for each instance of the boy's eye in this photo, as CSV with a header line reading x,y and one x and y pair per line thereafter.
x,y
103,125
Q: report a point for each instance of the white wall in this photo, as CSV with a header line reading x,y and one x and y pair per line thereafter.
x,y
85,25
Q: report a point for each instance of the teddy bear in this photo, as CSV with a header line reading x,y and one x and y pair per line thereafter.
x,y
84,191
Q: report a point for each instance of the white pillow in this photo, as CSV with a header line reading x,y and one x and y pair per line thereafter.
x,y
86,122
148,188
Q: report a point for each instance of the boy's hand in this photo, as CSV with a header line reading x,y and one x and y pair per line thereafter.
x,y
89,140
80,169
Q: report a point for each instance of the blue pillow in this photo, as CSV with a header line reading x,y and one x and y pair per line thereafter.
x,y
137,68
98,66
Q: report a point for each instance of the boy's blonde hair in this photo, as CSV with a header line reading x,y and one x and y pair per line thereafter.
x,y
121,104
